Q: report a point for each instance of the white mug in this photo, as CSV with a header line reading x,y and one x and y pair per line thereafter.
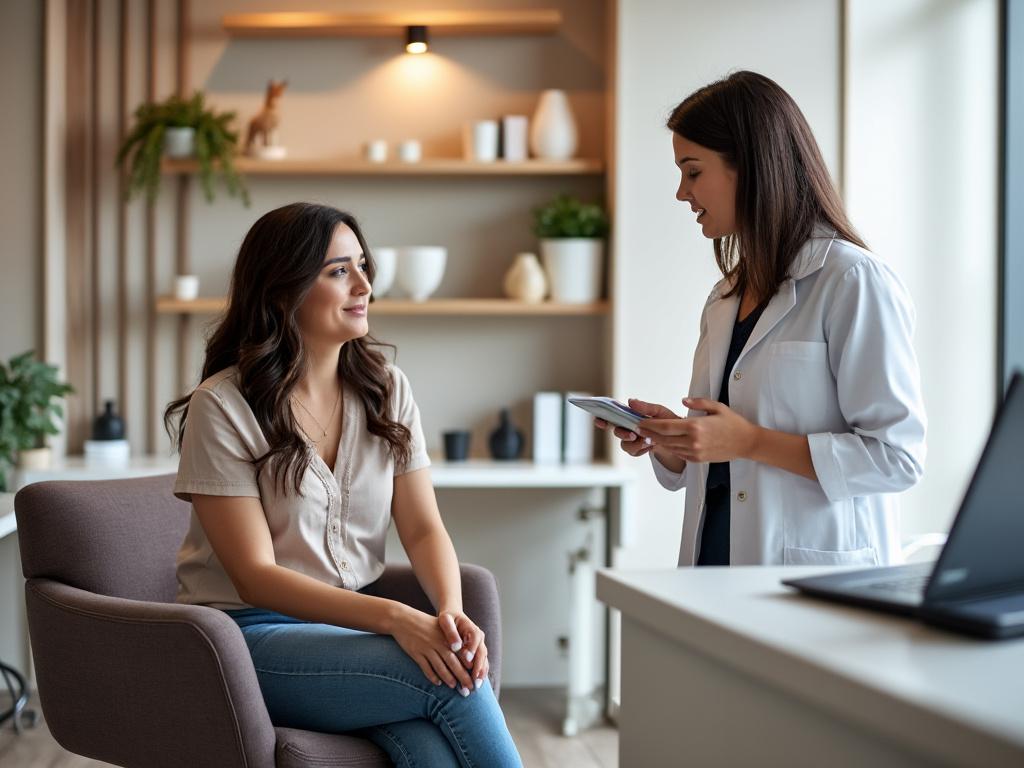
x,y
409,151
376,151
481,141
186,287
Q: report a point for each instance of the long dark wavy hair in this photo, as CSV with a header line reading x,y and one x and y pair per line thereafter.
x,y
277,265
783,187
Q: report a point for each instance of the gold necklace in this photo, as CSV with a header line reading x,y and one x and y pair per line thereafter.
x,y
323,432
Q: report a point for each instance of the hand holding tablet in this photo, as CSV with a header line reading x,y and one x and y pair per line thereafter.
x,y
610,410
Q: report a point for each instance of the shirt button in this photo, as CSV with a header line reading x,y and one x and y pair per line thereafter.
x,y
738,375
742,495
344,565
334,527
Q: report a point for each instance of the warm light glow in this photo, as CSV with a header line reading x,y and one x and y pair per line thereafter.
x,y
416,39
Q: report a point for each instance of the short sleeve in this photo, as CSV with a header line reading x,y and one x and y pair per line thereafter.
x,y
408,415
214,459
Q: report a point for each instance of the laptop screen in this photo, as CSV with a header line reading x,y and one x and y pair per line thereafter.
x,y
985,549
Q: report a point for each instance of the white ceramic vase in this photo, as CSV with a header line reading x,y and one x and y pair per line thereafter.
x,y
179,142
553,134
575,267
525,279
420,270
35,458
386,260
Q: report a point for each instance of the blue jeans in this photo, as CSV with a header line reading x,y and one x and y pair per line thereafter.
x,y
319,677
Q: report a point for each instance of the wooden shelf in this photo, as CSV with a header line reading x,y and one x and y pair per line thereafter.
x,y
437,167
304,24
168,305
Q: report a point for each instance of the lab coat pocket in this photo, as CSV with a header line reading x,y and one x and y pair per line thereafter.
x,y
801,556
801,390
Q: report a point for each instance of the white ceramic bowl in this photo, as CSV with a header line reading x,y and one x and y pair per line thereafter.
x,y
420,269
386,260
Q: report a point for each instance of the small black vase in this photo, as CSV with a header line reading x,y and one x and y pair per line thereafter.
x,y
506,441
108,425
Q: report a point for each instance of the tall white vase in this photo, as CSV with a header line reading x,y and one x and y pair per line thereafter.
x,y
553,134
575,267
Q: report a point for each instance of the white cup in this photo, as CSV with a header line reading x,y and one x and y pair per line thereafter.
x,y
480,141
376,151
420,269
386,260
409,151
186,287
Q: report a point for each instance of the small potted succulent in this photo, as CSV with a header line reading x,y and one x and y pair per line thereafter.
x,y
572,235
181,127
30,400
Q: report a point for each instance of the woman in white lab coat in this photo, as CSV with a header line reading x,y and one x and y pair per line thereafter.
x,y
804,415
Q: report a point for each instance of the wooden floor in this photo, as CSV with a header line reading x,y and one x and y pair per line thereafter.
x,y
534,717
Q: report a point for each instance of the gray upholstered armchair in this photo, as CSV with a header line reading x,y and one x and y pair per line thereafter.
x,y
127,676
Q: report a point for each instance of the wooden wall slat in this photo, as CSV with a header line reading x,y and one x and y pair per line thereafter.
x,y
122,216
94,206
150,270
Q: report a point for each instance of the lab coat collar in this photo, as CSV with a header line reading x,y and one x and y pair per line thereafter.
x,y
722,311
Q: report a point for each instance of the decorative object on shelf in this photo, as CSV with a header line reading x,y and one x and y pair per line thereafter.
x,y
525,279
186,287
547,427
553,133
480,141
386,261
456,445
409,151
262,138
179,141
30,395
514,132
376,151
215,143
577,432
420,269
506,442
572,248
108,425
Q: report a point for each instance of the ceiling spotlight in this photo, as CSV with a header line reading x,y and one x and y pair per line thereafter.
x,y
416,39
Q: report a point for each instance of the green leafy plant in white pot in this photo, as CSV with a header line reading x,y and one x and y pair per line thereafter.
x,y
30,401
572,237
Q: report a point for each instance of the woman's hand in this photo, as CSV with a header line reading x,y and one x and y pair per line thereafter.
x,y
420,636
466,639
631,442
721,435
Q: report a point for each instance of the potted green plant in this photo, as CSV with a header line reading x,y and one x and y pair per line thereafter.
x,y
165,128
30,396
572,237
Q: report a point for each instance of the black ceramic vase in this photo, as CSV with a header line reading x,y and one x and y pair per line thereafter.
x,y
506,441
108,425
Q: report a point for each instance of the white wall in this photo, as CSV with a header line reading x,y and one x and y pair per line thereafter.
x,y
667,49
921,186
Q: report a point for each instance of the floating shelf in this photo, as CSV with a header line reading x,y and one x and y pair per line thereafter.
x,y
438,167
168,305
304,24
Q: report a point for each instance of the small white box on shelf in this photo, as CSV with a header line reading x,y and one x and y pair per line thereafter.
x,y
547,427
579,432
514,134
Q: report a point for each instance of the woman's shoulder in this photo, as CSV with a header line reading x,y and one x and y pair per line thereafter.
x,y
848,261
223,384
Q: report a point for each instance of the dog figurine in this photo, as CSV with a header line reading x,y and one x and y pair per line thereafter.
x,y
263,127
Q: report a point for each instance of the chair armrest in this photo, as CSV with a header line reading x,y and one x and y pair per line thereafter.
x,y
123,680
479,601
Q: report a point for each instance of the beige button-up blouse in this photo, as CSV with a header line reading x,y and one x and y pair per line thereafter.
x,y
333,531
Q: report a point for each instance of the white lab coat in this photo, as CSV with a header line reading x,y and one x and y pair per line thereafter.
x,y
831,358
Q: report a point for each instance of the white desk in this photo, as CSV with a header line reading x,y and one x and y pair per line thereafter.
x,y
725,666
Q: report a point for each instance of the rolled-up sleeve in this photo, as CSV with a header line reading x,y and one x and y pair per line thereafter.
x,y
408,414
870,329
214,459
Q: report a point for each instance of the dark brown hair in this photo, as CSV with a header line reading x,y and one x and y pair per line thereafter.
x,y
783,187
277,265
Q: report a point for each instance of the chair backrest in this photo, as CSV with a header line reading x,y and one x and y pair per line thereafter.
x,y
112,537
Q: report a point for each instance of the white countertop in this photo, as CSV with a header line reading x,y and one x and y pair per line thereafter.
x,y
7,522
952,696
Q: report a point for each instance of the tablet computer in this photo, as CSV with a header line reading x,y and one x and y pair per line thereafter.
x,y
610,410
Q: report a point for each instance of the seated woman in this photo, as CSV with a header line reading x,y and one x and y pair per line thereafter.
x,y
297,450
